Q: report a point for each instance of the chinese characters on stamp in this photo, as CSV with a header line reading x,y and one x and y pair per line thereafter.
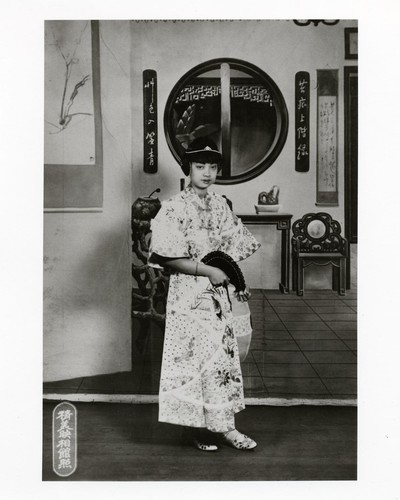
x,y
64,439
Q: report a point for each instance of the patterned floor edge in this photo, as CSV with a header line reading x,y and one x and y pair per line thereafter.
x,y
151,399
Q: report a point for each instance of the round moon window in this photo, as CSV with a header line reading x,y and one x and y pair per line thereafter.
x,y
236,104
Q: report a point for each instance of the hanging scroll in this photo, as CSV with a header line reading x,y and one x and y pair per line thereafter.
x,y
73,141
327,141
302,120
150,142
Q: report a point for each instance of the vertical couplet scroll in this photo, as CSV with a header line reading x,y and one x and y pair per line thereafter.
x,y
302,121
150,139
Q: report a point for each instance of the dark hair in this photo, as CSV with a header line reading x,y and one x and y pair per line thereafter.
x,y
201,149
185,165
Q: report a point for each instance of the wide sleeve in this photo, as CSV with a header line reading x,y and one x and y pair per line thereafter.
x,y
237,240
167,233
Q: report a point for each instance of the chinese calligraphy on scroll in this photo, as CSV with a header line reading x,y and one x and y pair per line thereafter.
x,y
302,121
327,138
150,139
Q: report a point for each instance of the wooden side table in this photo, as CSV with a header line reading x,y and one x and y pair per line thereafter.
x,y
282,222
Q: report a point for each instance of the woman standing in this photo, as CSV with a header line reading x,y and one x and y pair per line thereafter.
x,y
201,383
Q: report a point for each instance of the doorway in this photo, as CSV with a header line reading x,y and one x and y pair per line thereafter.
x,y
351,160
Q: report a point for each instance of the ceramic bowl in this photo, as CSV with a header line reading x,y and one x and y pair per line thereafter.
x,y
267,208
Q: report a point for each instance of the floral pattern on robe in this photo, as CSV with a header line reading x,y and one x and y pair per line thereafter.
x,y
201,381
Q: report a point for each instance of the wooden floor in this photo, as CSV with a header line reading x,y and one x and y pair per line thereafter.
x,y
302,347
124,442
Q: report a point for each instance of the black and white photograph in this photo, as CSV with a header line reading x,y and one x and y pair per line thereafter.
x,y
205,260
236,329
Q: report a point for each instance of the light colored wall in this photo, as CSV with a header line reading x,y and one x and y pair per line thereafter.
x,y
280,48
87,255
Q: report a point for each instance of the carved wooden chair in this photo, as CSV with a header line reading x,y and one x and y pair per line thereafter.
x,y
317,240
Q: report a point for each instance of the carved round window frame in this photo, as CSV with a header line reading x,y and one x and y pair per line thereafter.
x,y
280,106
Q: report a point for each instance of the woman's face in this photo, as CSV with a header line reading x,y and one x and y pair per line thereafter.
x,y
203,174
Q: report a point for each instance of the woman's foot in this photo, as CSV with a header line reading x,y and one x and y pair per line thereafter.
x,y
204,446
238,440
199,438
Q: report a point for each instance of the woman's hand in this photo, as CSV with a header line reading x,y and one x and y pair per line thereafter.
x,y
244,295
217,277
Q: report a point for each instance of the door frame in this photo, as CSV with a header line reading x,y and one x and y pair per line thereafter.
x,y
349,72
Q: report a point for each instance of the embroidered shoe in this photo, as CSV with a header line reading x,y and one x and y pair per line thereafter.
x,y
238,440
204,446
198,439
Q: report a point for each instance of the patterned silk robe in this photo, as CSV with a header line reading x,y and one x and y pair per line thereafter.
x,y
201,381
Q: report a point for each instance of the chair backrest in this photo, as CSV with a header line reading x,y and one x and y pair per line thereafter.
x,y
318,232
